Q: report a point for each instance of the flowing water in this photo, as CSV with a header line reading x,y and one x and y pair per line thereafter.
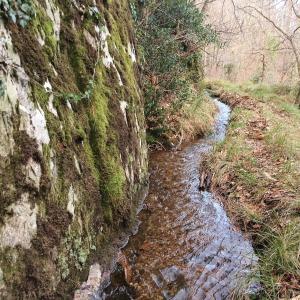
x,y
186,247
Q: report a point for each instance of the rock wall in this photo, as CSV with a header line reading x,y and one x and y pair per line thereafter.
x,y
72,142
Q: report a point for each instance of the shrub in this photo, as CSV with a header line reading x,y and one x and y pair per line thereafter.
x,y
171,34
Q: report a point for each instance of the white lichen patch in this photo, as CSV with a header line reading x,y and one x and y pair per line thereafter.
x,y
20,228
97,29
6,49
95,275
33,173
131,52
77,165
119,76
72,200
129,172
123,106
51,107
53,13
107,58
48,86
69,105
40,38
128,167
143,154
53,69
33,120
137,125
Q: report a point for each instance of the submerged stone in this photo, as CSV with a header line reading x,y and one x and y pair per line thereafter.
x,y
171,274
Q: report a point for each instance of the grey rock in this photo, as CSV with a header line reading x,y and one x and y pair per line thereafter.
x,y
73,199
33,173
88,289
21,227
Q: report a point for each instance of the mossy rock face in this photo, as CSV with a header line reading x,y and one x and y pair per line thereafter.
x,y
73,151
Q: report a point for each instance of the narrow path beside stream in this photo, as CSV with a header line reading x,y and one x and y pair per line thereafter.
x,y
186,247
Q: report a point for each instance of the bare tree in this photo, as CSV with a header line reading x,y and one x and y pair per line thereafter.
x,y
289,37
261,38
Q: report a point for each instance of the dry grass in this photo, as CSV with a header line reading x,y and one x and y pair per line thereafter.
x,y
195,119
198,117
256,172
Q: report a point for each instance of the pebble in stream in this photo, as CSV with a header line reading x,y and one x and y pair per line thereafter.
x,y
186,247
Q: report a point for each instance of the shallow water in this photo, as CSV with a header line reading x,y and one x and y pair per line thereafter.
x,y
186,247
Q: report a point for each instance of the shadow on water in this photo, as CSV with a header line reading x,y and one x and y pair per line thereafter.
x,y
186,247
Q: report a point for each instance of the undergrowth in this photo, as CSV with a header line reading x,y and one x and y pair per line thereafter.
x,y
170,35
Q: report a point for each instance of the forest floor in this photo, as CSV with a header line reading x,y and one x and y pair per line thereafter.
x,y
255,172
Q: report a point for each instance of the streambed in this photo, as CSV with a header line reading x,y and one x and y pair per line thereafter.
x,y
186,247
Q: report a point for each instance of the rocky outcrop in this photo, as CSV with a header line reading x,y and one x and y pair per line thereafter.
x,y
72,143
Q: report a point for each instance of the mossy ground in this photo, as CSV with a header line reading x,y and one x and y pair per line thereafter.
x,y
94,131
256,173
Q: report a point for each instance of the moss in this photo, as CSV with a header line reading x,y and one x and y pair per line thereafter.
x,y
99,114
122,60
107,213
11,266
65,117
39,94
63,266
106,155
42,25
115,178
95,131
91,161
50,39
77,54
34,60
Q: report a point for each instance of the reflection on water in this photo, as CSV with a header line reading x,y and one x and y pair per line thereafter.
x,y
186,247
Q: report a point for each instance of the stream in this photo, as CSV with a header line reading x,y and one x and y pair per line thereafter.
x,y
185,247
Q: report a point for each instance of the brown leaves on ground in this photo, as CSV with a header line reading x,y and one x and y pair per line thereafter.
x,y
236,100
273,194
253,205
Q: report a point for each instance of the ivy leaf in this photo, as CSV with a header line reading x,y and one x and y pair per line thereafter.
x,y
12,15
26,8
23,22
17,11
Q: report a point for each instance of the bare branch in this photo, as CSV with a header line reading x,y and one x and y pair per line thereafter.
x,y
297,14
269,20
